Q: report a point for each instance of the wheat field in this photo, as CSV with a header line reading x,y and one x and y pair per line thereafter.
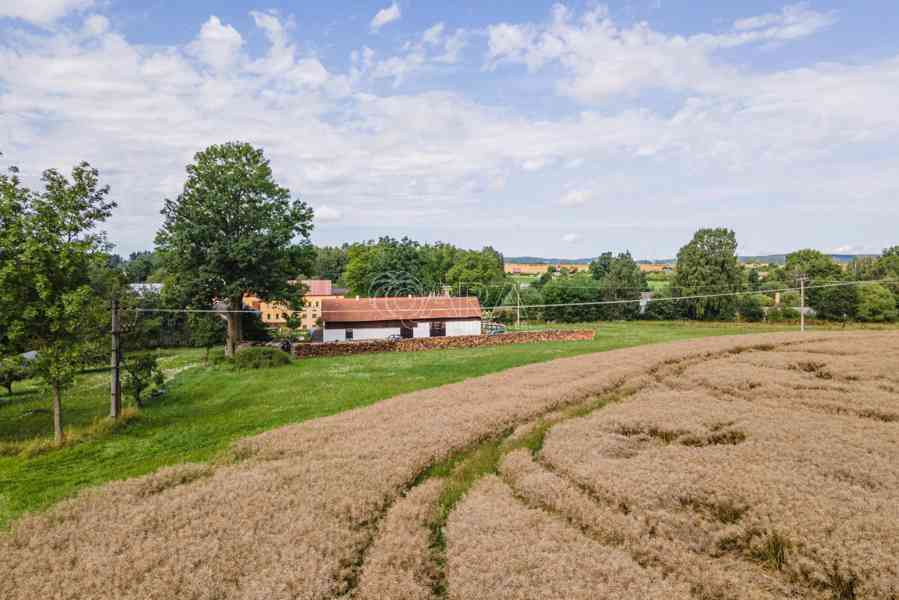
x,y
762,466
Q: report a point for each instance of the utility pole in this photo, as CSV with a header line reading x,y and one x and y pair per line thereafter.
x,y
115,404
802,280
517,308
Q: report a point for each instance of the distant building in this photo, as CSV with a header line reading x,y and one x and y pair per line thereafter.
x,y
346,319
142,289
540,268
275,314
655,267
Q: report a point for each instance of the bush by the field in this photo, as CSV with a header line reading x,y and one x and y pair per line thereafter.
x,y
260,357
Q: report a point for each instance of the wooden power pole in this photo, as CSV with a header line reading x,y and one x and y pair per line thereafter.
x,y
802,280
115,404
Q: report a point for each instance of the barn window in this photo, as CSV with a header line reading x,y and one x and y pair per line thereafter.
x,y
438,329
406,332
349,334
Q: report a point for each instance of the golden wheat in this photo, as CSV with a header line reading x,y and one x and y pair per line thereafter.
x,y
772,478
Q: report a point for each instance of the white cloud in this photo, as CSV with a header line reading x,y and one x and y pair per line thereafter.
x,y
453,46
42,12
794,21
571,238
327,214
433,47
575,198
218,45
433,34
385,16
439,160
603,59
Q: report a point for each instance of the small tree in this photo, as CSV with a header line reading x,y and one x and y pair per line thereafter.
x,y
232,231
750,308
13,369
141,371
54,266
206,330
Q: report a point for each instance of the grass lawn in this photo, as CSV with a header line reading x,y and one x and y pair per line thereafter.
x,y
205,409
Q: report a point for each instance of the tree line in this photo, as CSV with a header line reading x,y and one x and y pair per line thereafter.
x,y
233,229
708,266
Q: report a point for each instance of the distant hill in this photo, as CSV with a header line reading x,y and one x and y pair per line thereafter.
x,y
777,259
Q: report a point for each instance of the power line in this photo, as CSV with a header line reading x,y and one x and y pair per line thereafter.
x,y
453,299
696,296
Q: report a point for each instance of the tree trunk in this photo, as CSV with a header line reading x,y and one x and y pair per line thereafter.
x,y
57,414
8,386
234,327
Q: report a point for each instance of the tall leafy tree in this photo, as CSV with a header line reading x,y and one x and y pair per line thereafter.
x,y
49,279
706,265
388,267
623,280
479,274
876,303
599,267
234,230
817,267
141,266
330,262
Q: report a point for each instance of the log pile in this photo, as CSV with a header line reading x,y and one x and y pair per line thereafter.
x,y
419,344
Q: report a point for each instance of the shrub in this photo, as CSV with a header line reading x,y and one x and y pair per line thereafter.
x,y
260,357
141,372
13,369
777,314
836,303
876,304
750,308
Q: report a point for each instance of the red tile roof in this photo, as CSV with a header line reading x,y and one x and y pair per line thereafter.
x,y
349,310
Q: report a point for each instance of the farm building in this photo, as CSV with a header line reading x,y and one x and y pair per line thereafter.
x,y
346,319
274,314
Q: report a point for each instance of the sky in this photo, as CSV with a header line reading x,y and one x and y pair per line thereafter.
x,y
539,128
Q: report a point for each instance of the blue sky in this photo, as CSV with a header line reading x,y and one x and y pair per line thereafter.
x,y
537,127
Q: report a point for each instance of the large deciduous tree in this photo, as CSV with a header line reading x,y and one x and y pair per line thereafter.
x,y
479,274
234,230
622,280
706,265
51,260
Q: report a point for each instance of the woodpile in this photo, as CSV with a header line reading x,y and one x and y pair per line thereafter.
x,y
419,344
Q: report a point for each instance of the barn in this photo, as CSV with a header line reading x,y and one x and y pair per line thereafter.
x,y
348,319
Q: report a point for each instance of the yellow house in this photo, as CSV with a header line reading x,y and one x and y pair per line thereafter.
x,y
275,314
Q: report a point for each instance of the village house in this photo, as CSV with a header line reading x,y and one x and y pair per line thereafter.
x,y
346,319
275,314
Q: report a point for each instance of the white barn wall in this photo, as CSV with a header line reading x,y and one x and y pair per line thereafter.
x,y
472,327
421,330
334,335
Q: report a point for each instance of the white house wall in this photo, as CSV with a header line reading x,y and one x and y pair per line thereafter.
x,y
454,328
421,330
